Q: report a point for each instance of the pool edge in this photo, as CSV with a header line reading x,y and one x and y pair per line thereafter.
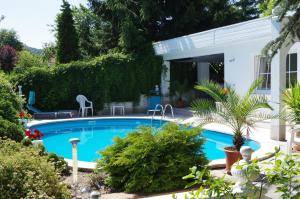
x,y
260,154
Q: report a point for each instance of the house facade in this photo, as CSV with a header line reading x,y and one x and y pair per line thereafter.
x,y
239,47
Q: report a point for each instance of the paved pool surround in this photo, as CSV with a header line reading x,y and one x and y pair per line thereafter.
x,y
266,145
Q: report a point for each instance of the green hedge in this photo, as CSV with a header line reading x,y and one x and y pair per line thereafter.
x,y
113,77
26,174
150,161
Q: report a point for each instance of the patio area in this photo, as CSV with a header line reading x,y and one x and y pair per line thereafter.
x,y
261,134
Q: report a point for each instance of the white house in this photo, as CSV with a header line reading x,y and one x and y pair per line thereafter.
x,y
239,46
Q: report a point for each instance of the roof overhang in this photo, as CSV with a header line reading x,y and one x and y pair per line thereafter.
x,y
214,41
205,58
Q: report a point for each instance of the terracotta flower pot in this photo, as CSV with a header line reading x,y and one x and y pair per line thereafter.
x,y
296,147
232,156
180,104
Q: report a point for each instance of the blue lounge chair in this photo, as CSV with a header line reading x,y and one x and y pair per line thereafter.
x,y
38,114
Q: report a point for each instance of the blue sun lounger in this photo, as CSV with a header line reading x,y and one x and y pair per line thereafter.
x,y
38,114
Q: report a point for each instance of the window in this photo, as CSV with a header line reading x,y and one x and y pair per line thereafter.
x,y
291,69
263,71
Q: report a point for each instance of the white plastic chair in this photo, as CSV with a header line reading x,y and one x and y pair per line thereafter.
x,y
83,109
293,139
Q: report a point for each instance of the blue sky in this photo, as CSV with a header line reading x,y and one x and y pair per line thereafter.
x,y
30,18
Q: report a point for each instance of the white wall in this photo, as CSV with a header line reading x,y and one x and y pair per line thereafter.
x,y
239,63
239,42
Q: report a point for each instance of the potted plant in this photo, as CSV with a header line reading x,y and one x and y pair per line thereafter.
x,y
238,112
291,98
179,89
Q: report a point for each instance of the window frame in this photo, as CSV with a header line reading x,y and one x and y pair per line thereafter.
x,y
264,89
288,71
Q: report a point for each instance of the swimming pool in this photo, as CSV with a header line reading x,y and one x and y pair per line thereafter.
x,y
97,134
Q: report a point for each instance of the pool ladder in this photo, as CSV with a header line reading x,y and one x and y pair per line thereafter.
x,y
163,111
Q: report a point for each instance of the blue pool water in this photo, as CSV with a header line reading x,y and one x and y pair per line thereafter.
x,y
96,135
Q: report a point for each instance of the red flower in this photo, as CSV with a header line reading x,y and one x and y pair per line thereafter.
x,y
28,133
21,114
36,135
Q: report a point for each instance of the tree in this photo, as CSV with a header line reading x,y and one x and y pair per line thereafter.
x,y
93,33
248,9
131,39
165,19
2,18
8,58
27,59
9,37
49,53
266,7
240,113
289,10
66,35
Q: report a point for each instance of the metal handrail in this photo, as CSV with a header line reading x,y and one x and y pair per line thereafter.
x,y
171,108
162,112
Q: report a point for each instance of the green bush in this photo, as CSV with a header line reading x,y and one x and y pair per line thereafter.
x,y
10,105
113,77
150,161
11,130
59,163
27,60
26,174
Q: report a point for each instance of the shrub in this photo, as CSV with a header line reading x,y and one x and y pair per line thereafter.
x,y
150,161
113,77
10,105
282,172
26,174
11,130
8,58
97,180
59,163
27,60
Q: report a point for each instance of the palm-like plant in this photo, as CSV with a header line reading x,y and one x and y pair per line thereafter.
x,y
288,9
291,98
227,107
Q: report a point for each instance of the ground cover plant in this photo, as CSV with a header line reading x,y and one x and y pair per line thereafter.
x,y
150,161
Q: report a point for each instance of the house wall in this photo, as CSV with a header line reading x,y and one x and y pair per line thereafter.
x,y
284,52
239,68
238,42
285,49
